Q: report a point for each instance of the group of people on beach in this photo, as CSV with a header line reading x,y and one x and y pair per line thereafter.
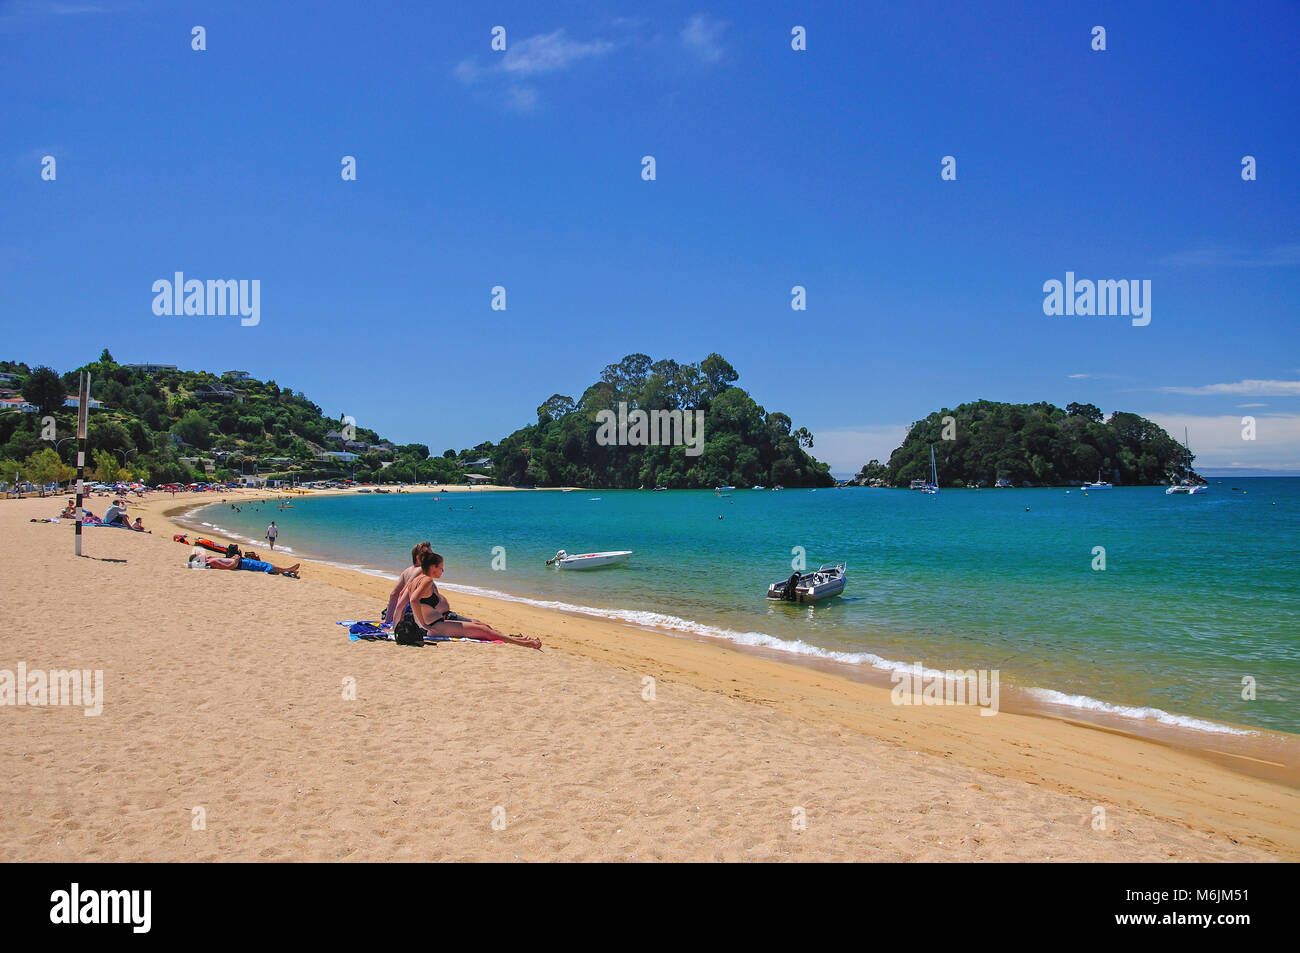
x,y
420,609
115,515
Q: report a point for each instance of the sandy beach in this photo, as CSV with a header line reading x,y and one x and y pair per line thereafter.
x,y
228,732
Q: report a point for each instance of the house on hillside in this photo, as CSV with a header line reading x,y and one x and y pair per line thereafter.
x,y
218,391
72,401
334,436
482,463
237,375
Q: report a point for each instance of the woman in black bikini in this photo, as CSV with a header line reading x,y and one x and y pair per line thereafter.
x,y
432,611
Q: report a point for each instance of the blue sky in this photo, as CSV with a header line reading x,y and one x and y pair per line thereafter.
x,y
775,168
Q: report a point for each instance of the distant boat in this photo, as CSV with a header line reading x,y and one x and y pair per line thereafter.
x,y
1186,486
810,586
1099,485
722,489
563,560
778,487
567,489
758,488
933,485
660,489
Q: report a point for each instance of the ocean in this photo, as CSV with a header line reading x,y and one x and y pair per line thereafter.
x,y
1198,596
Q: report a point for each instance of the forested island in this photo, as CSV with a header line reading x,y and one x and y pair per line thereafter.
x,y
984,442
742,444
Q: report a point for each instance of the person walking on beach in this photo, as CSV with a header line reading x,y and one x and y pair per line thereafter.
x,y
272,533
431,611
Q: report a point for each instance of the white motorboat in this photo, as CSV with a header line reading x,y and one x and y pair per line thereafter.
x,y
810,586
758,488
563,560
722,489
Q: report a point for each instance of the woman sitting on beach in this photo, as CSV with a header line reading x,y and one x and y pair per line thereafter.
x,y
431,611
409,573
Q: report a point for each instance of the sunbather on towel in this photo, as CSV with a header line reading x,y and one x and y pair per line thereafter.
x,y
431,609
252,565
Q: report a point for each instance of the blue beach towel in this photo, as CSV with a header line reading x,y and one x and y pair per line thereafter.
x,y
369,630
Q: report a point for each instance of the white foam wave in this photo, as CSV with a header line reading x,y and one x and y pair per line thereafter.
x,y
1088,703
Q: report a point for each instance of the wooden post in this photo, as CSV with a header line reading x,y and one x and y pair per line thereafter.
x,y
83,408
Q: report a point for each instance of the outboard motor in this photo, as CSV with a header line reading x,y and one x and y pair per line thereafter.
x,y
789,594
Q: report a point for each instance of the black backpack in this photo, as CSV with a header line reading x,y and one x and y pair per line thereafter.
x,y
407,632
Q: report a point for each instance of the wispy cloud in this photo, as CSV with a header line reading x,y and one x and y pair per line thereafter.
x,y
28,11
548,52
702,35
1078,377
1246,388
1252,405
532,56
1279,256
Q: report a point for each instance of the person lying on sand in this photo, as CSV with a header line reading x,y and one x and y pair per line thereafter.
x,y
430,609
252,565
409,573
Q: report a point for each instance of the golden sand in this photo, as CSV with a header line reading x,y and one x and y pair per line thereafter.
x,y
227,734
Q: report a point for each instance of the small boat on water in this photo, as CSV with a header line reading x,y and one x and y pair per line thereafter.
x,y
931,485
1099,485
1187,486
563,560
758,488
810,586
660,489
722,489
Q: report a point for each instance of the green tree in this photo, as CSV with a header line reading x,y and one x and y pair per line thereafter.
x,y
44,389
194,429
106,467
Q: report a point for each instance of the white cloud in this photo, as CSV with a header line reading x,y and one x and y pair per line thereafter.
x,y
1246,388
1078,377
847,450
702,35
547,52
1252,405
1217,441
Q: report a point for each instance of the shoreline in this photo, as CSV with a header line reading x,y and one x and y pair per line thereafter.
x,y
1264,753
909,783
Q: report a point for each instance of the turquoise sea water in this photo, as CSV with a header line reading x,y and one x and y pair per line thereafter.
x,y
1198,591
